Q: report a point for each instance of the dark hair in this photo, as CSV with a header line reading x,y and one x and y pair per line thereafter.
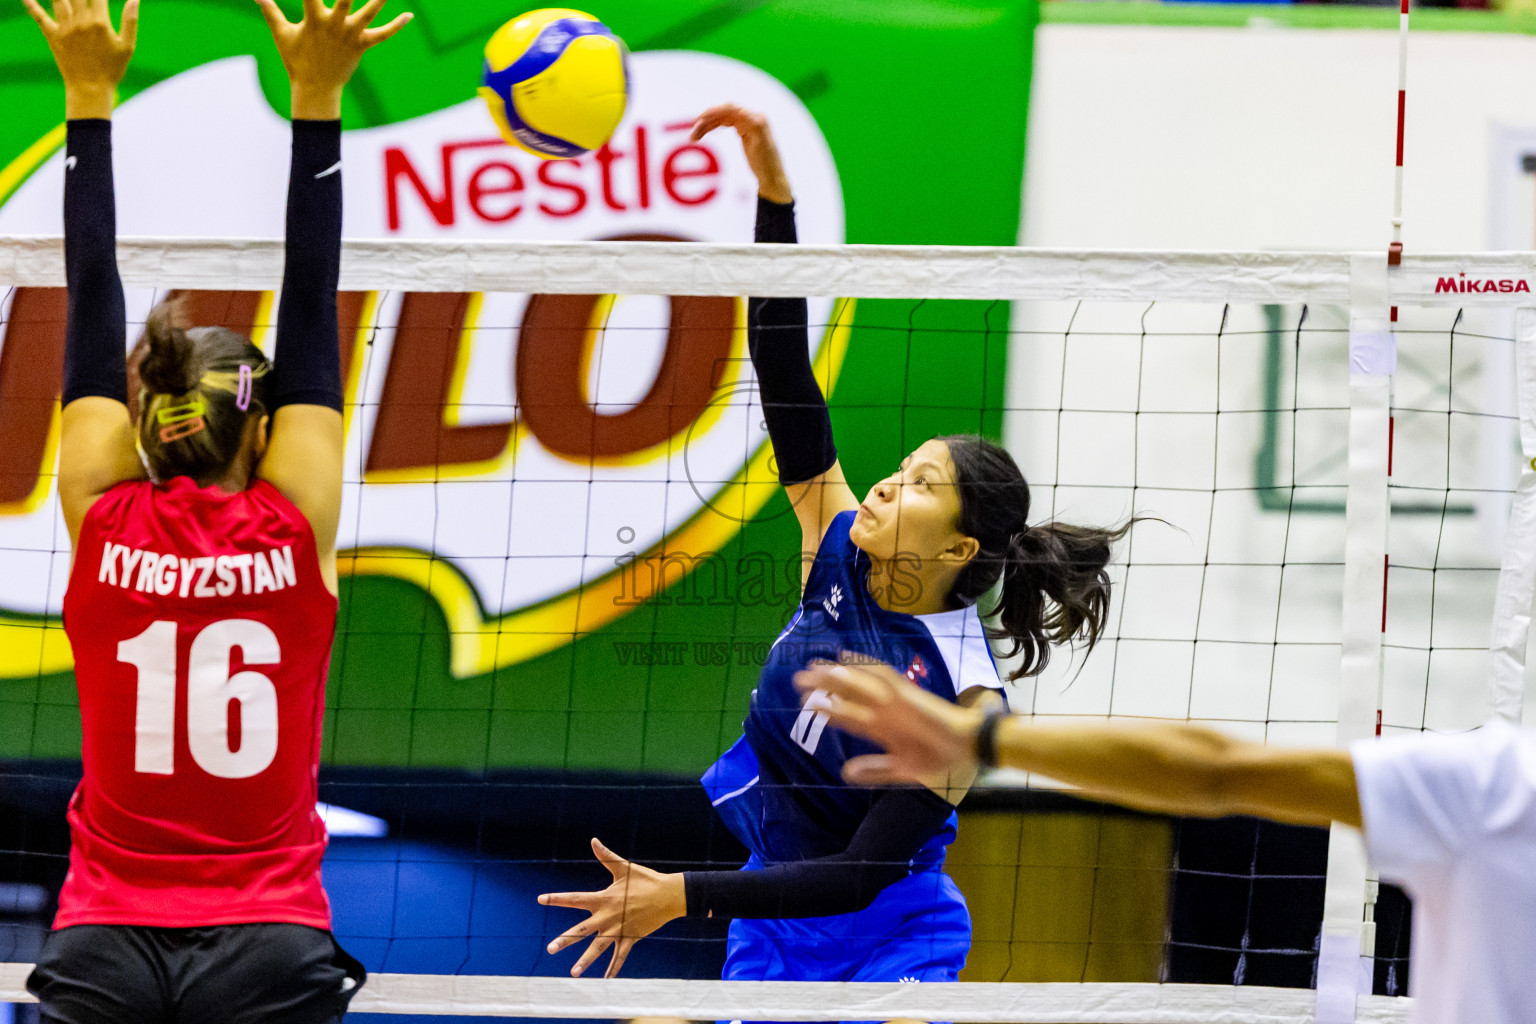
x,y
182,366
1055,576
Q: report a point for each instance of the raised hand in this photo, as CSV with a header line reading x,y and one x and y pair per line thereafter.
x,y
637,903
756,142
91,55
322,50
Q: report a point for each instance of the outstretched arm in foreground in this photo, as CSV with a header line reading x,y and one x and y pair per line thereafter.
x,y
1170,768
304,457
96,447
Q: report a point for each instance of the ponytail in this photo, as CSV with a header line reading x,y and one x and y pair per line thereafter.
x,y
1055,585
1055,590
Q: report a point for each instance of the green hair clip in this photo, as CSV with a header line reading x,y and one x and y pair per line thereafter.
x,y
177,413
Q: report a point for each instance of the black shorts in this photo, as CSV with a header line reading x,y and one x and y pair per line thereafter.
x,y
231,974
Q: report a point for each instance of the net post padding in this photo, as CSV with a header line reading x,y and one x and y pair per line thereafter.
x,y
1517,573
1372,361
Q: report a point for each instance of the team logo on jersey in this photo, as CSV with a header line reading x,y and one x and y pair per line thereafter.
x,y
917,670
830,602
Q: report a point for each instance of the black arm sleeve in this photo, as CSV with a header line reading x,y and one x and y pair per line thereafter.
x,y
306,363
898,824
96,338
778,338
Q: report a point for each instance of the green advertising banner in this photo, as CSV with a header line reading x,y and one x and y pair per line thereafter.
x,y
528,588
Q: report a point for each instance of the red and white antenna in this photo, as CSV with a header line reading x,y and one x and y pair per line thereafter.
x,y
1395,250
1394,259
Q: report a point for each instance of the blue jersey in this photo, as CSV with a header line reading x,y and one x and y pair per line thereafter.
x,y
780,790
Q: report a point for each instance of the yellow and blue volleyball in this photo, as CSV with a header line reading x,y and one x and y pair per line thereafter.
x,y
556,82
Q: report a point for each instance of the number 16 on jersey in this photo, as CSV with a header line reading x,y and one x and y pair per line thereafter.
x,y
210,688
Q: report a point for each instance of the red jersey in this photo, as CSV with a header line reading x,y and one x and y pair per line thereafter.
x,y
202,632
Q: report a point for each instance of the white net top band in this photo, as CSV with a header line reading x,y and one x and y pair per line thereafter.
x,y
857,271
982,1003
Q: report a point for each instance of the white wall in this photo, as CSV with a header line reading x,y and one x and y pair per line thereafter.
x,y
1268,138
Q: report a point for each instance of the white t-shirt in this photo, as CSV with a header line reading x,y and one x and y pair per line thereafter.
x,y
1452,819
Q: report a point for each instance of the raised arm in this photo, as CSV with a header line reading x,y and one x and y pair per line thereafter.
x,y
304,454
96,449
778,338
1171,768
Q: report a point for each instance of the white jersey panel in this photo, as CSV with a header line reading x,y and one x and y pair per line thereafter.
x,y
962,642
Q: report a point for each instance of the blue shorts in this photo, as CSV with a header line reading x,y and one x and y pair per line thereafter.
x,y
917,930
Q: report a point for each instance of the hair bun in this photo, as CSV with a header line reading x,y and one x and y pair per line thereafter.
x,y
168,368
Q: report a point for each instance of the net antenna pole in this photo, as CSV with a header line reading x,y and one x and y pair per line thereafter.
x,y
1346,948
1395,249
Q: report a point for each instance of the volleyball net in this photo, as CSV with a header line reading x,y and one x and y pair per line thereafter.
x,y
565,555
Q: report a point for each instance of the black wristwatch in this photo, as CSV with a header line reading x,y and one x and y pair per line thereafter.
x,y
986,737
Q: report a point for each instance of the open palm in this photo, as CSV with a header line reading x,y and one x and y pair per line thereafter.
x,y
638,902
92,56
322,49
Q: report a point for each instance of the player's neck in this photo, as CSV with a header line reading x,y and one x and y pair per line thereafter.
x,y
232,481
909,586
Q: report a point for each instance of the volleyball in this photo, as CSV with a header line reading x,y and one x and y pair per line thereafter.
x,y
556,82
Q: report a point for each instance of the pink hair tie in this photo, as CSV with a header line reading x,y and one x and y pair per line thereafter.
x,y
244,390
